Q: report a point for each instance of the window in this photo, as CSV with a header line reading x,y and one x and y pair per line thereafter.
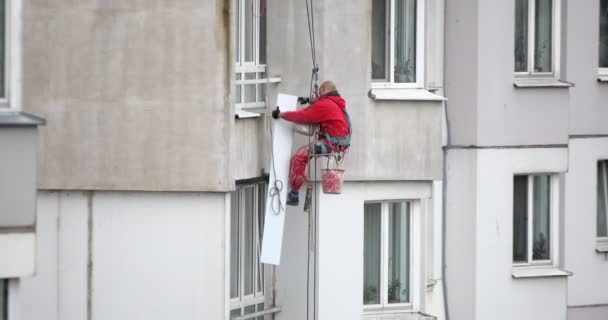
x,y
250,53
4,53
3,299
390,245
603,59
534,232
247,285
602,199
536,38
397,43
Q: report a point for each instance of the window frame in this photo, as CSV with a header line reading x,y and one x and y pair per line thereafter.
x,y
414,260
257,297
601,241
5,101
243,67
420,50
554,223
601,71
555,44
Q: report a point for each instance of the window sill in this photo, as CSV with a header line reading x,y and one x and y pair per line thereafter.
x,y
601,245
404,315
11,118
404,94
538,272
242,114
602,78
541,83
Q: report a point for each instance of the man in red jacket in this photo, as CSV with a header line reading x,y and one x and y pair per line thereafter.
x,y
329,112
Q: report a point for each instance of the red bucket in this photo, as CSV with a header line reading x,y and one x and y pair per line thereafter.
x,y
332,180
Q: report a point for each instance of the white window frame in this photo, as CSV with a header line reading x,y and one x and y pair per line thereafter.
x,y
244,301
242,67
602,242
12,57
420,45
414,261
554,228
556,43
602,71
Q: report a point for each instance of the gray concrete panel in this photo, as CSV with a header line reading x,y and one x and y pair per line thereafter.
x,y
18,176
399,140
508,115
136,93
589,99
461,70
594,312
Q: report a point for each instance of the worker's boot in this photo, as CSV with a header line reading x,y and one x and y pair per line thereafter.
x,y
293,198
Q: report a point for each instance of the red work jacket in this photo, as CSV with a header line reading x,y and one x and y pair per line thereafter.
x,y
327,112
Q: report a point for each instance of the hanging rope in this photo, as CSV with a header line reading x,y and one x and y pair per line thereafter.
x,y
314,92
277,187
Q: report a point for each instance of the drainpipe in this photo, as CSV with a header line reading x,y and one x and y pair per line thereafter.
x,y
446,309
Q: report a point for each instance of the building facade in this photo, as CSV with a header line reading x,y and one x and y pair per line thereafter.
x,y
153,164
525,176
152,168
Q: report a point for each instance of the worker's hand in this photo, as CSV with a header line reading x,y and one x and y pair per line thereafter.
x,y
302,100
276,113
313,98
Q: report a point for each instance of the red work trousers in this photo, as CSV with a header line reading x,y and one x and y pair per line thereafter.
x,y
297,173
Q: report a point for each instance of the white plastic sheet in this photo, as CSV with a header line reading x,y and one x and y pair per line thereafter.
x,y
281,146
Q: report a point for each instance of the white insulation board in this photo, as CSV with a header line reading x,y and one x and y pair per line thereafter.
x,y
282,136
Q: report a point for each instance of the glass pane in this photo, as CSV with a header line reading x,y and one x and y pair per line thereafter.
x,y
604,34
250,309
262,35
541,223
520,219
262,87
543,36
521,35
261,212
398,253
235,313
380,43
237,94
234,245
248,259
249,88
602,175
371,253
237,36
260,308
405,41
3,299
249,30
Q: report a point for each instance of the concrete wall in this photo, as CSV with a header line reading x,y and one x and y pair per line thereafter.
x,y
479,236
340,258
588,313
398,140
585,287
484,108
588,108
136,94
18,176
128,255
499,296
460,236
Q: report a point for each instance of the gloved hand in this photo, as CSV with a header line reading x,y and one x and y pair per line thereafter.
x,y
276,113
